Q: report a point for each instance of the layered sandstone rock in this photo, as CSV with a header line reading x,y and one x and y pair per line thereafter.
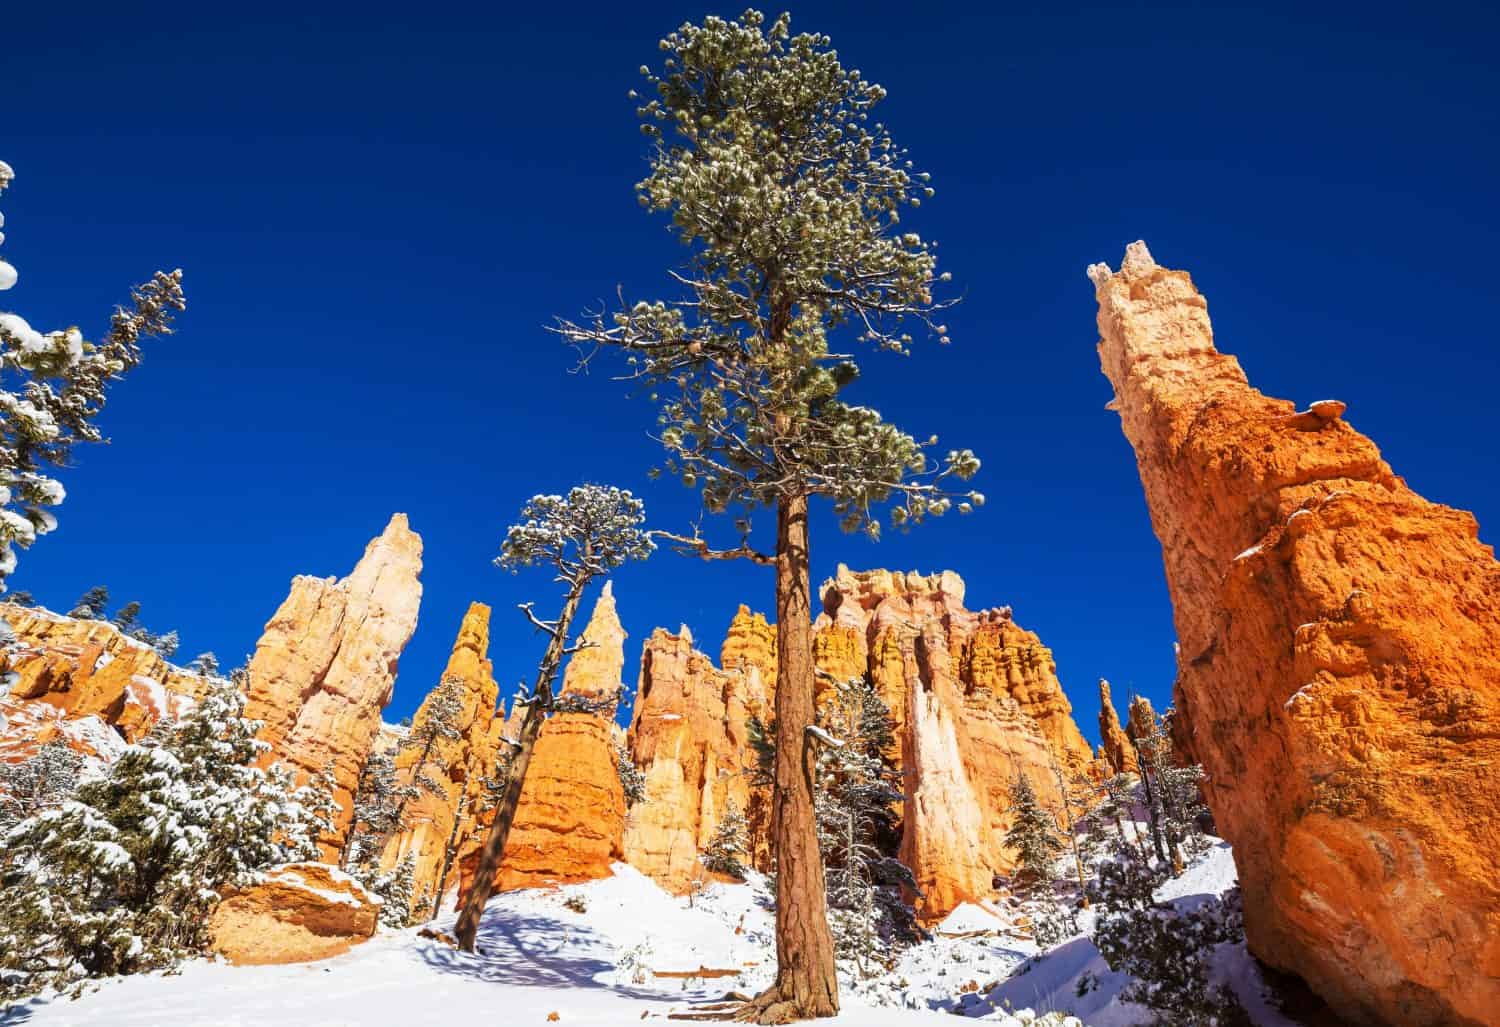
x,y
570,822
326,664
750,649
976,701
1116,746
88,669
1339,670
296,913
689,735
436,821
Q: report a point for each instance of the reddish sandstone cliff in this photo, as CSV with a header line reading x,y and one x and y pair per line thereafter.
x,y
326,665
1339,671
689,734
1116,745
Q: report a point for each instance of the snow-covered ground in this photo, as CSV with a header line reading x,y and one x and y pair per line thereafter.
x,y
634,952
1050,981
597,967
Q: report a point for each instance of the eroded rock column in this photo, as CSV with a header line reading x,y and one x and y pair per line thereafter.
x,y
1339,668
326,665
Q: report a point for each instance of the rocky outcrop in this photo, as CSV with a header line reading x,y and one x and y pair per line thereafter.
x,y
326,664
689,735
296,913
1338,674
457,766
1116,746
88,669
976,701
570,822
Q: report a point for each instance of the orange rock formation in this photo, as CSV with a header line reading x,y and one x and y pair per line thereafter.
x,y
1116,746
689,735
1339,670
457,765
87,668
974,697
325,667
570,822
976,701
296,913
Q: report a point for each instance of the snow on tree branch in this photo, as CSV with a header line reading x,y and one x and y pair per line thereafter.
x,y
52,388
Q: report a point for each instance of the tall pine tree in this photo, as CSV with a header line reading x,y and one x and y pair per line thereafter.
x,y
789,196
580,536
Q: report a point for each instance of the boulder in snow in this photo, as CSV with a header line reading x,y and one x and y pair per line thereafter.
x,y
297,913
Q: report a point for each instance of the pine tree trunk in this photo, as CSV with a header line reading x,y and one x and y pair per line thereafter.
x,y
1151,815
449,851
505,814
806,985
483,884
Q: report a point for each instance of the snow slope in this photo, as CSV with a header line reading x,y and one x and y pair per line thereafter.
x,y
635,952
1050,982
537,957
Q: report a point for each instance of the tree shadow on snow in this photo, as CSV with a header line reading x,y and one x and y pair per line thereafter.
x,y
535,952
21,1012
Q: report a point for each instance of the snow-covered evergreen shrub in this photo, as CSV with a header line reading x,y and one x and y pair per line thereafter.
x,y
52,387
1173,799
632,778
724,852
1033,834
856,803
394,888
41,782
121,878
379,803
441,719
1166,952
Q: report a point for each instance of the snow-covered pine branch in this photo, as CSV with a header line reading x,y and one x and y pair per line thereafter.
x,y
52,389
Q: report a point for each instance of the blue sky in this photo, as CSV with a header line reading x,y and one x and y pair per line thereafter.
x,y
377,210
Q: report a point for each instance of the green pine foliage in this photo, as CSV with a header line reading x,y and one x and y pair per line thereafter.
x,y
42,781
856,802
788,192
53,387
1033,835
121,878
1167,952
725,851
379,809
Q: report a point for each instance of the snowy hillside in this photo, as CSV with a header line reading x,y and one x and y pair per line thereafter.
x,y
621,950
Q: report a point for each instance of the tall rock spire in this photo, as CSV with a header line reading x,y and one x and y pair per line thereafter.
x,y
1339,668
570,822
1116,745
326,665
457,765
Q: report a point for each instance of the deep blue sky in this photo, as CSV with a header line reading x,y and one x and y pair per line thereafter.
x,y
377,210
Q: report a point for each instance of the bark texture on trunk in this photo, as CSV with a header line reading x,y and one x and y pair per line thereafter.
x,y
806,985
